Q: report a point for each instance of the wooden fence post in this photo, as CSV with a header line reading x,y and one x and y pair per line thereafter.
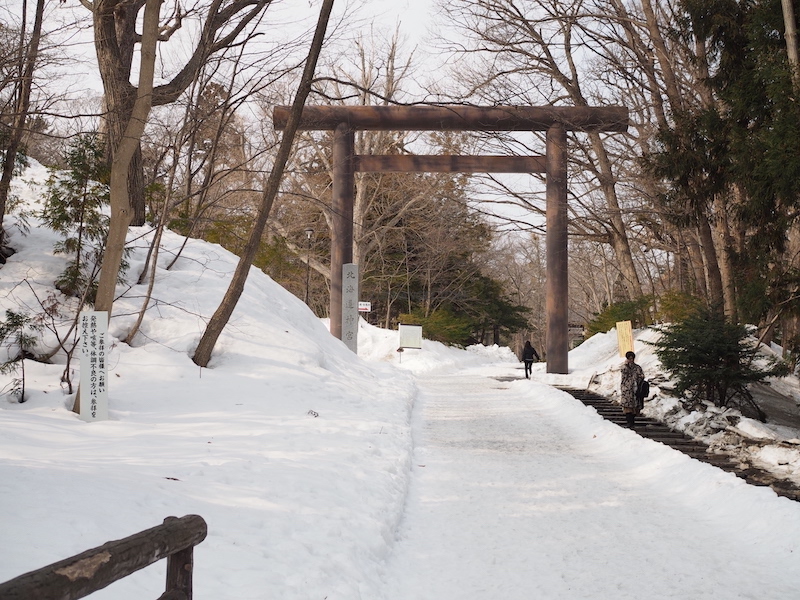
x,y
92,570
180,568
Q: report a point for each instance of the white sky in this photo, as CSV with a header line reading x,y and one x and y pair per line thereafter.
x,y
70,27
325,475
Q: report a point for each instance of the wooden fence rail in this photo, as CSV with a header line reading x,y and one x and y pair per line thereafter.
x,y
89,571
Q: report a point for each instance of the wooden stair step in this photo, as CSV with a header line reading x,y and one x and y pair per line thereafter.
x,y
659,432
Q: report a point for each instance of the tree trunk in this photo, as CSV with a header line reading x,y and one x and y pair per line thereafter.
x,y
117,21
713,277
123,154
696,263
21,108
618,229
223,313
790,325
722,243
662,56
791,42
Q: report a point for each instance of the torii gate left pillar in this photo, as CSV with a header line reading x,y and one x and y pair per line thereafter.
x,y
341,216
556,121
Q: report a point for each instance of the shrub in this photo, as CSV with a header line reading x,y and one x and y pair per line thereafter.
x,y
636,311
674,306
712,360
442,326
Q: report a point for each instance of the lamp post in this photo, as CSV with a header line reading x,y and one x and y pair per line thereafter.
x,y
309,232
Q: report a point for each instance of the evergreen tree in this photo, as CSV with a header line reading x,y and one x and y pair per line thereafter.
x,y
712,360
480,311
442,325
740,143
74,207
762,125
18,335
491,312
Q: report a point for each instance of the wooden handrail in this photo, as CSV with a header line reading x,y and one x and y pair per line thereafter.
x,y
94,569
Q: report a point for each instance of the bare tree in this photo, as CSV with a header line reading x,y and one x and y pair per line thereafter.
x,y
127,144
116,37
210,178
393,213
128,107
533,53
518,262
223,313
28,52
791,323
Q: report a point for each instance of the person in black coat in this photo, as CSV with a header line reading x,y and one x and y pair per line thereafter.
x,y
529,355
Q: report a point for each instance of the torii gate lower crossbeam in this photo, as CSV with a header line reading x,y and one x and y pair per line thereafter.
x,y
556,121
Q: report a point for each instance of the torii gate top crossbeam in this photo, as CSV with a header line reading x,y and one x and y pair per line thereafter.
x,y
458,118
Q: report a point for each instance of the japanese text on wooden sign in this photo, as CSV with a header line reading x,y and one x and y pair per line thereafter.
x,y
94,366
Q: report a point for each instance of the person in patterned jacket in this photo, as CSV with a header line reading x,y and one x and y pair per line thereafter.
x,y
632,374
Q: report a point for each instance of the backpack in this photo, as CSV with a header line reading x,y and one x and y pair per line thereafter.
x,y
642,392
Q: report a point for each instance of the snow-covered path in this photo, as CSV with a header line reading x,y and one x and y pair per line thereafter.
x,y
297,455
518,493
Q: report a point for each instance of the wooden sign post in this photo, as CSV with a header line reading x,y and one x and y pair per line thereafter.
x,y
94,366
624,337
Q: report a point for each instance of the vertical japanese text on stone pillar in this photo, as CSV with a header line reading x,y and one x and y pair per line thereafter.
x,y
350,306
94,366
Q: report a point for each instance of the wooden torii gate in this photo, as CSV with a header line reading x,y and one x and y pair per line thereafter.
x,y
344,121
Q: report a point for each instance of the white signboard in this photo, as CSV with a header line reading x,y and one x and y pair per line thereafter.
x,y
94,365
350,306
364,306
410,336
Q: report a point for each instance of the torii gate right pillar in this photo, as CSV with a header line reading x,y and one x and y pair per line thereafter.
x,y
557,286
